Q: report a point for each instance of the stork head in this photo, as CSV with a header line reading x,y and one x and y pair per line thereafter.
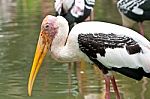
x,y
49,29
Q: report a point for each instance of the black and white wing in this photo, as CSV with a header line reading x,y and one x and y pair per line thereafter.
x,y
114,52
113,47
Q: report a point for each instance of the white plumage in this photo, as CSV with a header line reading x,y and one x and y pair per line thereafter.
x,y
117,57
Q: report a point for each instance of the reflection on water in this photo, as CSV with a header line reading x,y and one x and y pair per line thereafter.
x,y
19,28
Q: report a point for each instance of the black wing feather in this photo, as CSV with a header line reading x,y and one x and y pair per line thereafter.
x,y
97,43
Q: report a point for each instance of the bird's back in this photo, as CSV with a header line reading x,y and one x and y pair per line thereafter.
x,y
107,28
113,46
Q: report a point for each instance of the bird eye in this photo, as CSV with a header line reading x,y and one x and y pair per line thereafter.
x,y
46,26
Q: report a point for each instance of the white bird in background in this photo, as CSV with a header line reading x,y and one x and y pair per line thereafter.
x,y
134,11
111,47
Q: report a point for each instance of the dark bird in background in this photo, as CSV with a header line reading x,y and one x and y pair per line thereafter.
x,y
134,11
110,47
74,11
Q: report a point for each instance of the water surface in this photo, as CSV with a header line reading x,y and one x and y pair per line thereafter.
x,y
19,29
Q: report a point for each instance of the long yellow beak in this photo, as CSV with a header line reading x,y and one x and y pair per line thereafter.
x,y
41,50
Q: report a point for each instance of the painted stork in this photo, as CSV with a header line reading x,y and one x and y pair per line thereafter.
x,y
111,47
134,11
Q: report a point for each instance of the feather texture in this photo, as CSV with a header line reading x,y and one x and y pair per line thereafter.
x,y
113,46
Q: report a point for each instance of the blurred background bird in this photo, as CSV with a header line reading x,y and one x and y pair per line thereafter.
x,y
75,11
134,11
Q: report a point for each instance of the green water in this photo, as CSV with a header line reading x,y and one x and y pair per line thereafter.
x,y
19,29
